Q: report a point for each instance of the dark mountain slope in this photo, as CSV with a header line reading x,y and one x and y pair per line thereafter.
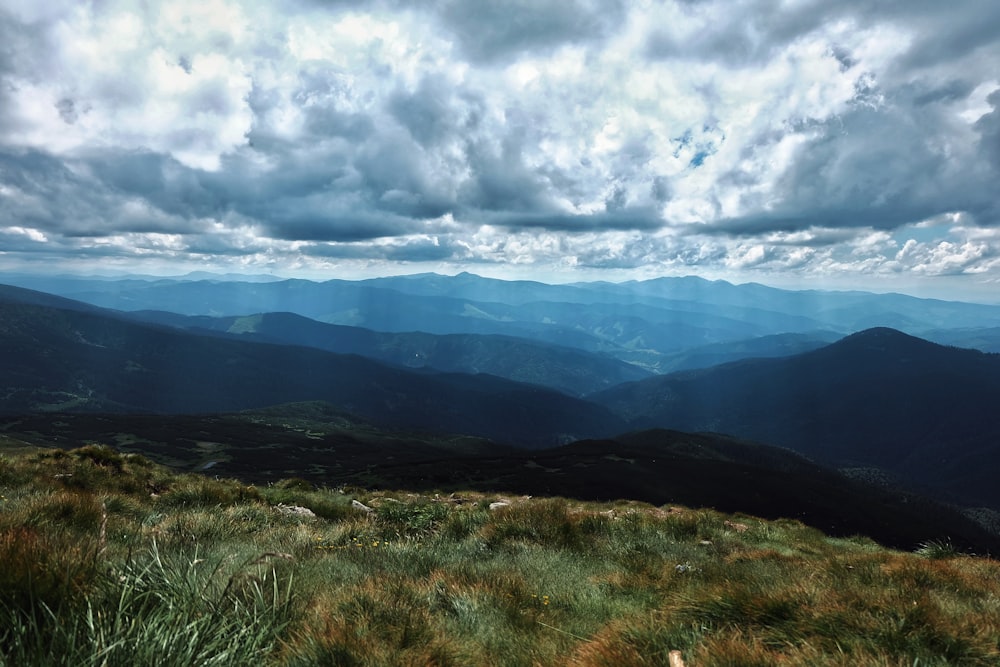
x,y
56,359
311,439
876,398
317,443
776,345
707,470
565,369
11,294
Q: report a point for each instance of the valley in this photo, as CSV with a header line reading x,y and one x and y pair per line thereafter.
x,y
529,388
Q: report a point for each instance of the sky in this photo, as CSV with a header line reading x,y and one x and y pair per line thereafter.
x,y
797,143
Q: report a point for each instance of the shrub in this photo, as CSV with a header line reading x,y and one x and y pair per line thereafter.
x,y
326,504
100,455
198,491
68,509
42,569
411,518
543,521
463,523
937,549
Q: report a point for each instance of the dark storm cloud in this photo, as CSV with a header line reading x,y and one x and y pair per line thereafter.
x,y
872,168
419,250
318,219
740,34
751,32
428,112
634,218
159,179
382,183
347,156
396,178
330,226
38,189
18,54
988,127
67,110
752,225
308,196
295,171
51,197
946,34
499,179
843,56
938,92
496,30
502,183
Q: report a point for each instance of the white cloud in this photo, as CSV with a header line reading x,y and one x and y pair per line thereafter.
x,y
169,80
646,136
32,234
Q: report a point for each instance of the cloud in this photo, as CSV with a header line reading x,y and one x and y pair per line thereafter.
x,y
946,257
618,219
988,127
410,249
759,136
314,220
750,33
493,30
880,167
161,180
431,113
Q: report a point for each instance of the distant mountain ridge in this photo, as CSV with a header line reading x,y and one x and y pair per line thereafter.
x,y
57,359
642,323
878,398
570,370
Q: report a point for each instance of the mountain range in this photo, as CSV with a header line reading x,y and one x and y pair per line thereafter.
x,y
485,366
567,369
54,359
643,323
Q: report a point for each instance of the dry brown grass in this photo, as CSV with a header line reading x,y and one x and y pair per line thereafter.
x,y
427,580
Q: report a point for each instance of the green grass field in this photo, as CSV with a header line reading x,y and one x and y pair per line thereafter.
x,y
109,559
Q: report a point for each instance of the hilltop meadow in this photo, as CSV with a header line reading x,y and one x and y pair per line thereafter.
x,y
110,559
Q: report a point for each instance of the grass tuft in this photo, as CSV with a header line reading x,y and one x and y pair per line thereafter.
x,y
937,549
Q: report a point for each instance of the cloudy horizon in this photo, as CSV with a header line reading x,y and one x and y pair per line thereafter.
x,y
789,142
